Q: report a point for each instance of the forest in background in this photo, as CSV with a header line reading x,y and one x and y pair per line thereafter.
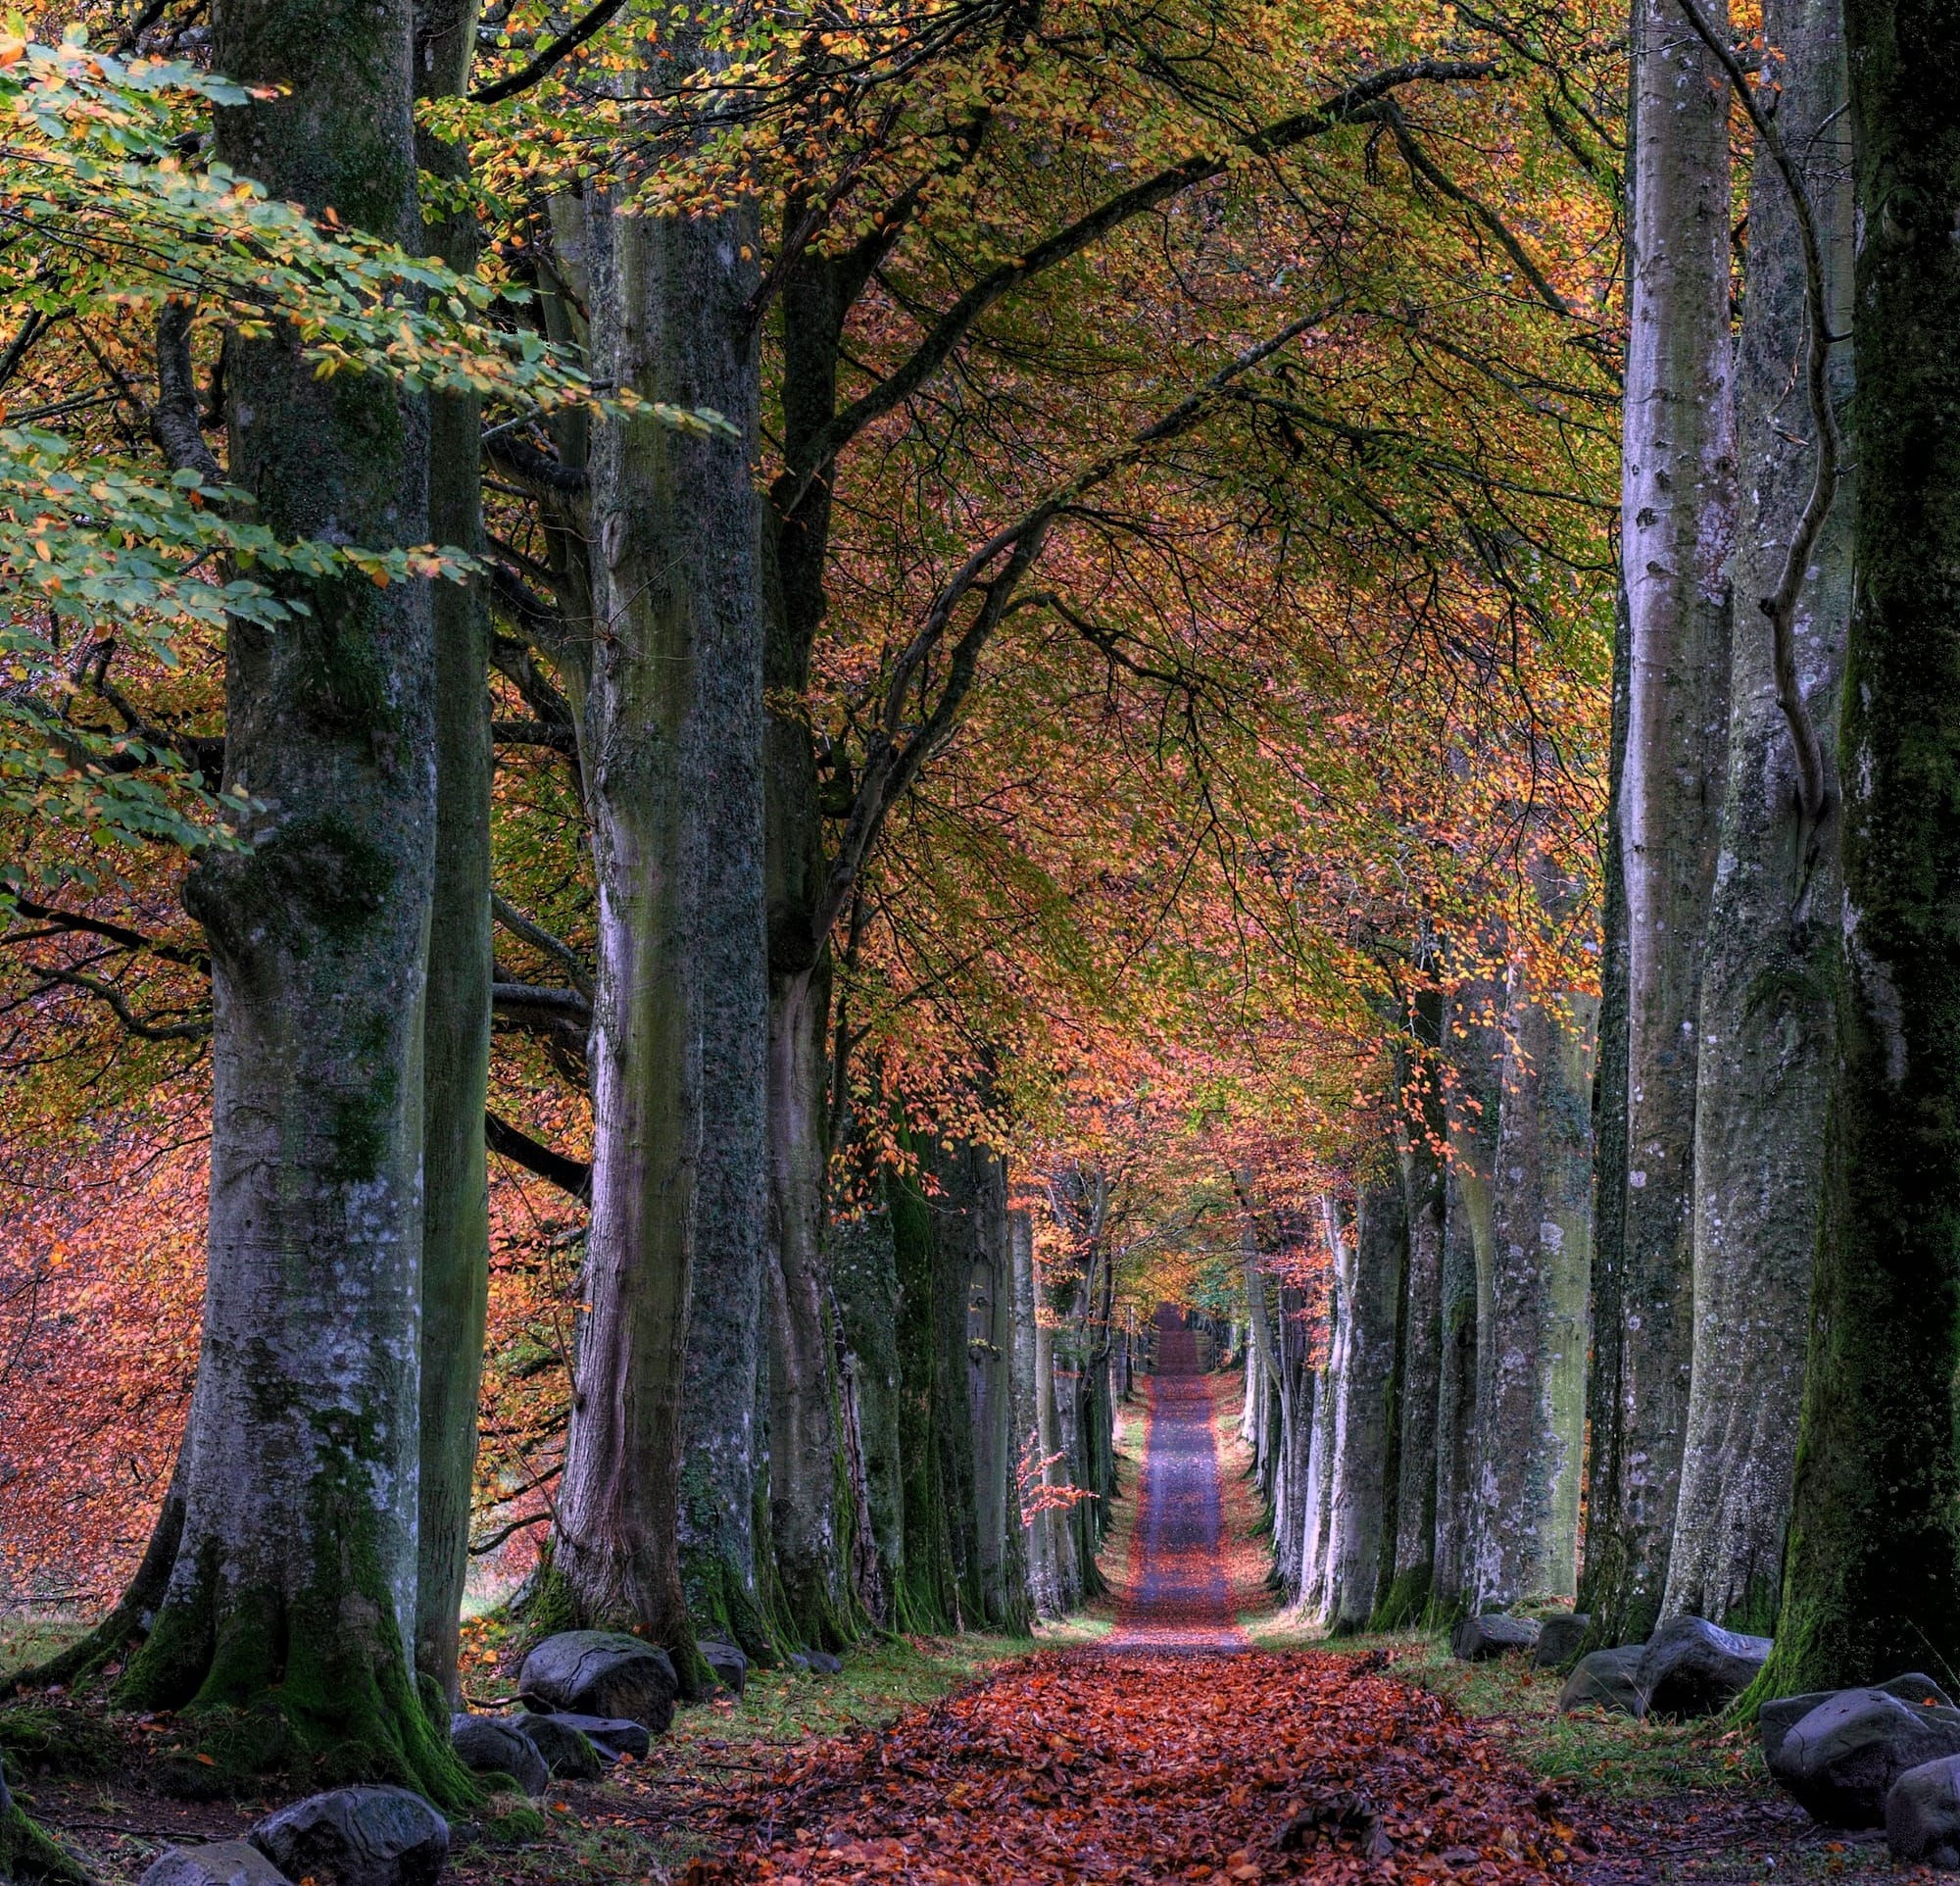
x,y
725,730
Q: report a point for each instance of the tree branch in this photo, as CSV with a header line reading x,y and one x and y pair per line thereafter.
x,y
572,1176
560,48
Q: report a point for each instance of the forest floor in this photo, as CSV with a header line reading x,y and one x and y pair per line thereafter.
x,y
1181,1728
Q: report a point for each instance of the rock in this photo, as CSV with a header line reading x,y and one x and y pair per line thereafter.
x,y
1692,1667
568,1752
730,1666
1607,1680
1476,1640
498,1745
1923,1813
1840,1760
610,1736
602,1672
820,1663
1777,1717
1558,1640
357,1837
224,1863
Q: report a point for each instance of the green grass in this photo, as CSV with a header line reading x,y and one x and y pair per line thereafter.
x,y
1610,1755
26,1641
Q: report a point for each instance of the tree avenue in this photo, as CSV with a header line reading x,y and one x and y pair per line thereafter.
x,y
726,734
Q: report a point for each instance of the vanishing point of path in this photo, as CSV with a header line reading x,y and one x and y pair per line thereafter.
x,y
1145,1758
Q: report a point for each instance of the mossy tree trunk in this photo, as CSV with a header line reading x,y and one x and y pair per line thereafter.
x,y
455,1029
673,762
1531,1386
1873,1577
1370,1290
293,1591
1679,504
864,1275
1767,1024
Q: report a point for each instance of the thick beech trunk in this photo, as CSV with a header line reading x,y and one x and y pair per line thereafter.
x,y
928,1595
1531,1388
864,1275
1873,1579
1769,967
1002,1562
1678,502
1316,1557
455,1028
671,748
954,1255
1371,1288
293,1591
1030,1351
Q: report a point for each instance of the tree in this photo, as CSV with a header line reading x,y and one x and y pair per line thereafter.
x,y
1871,1578
1679,481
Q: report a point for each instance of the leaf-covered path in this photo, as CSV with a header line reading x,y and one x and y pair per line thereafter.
x,y
1174,1752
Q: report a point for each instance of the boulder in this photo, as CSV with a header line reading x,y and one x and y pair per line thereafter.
x,y
602,1672
816,1663
730,1666
498,1745
1607,1680
1558,1640
568,1752
1476,1640
1777,1717
357,1837
610,1736
1692,1667
224,1863
1923,1815
1840,1761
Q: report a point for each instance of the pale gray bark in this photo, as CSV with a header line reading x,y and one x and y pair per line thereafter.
x,y
1531,1391
1036,1533
1677,524
1316,1561
1422,1179
1003,1559
1767,1024
1371,1289
671,751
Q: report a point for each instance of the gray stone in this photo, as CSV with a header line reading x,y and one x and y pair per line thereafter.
x,y
730,1666
820,1663
1558,1640
602,1672
1607,1680
612,1736
1692,1667
1777,1717
1923,1813
1840,1761
498,1745
224,1863
357,1837
1476,1640
568,1752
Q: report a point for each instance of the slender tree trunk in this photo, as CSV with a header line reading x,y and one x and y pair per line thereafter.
x,y
863,1267
1678,502
1003,1565
1027,1363
1317,1555
293,1591
672,777
1531,1399
1873,1579
929,1596
455,1028
954,1259
1769,967
1371,1287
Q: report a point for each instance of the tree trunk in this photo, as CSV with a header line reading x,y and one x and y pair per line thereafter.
x,y
863,1269
672,778
456,1027
1027,1361
1531,1391
293,1591
1317,1549
1371,1287
1770,962
1872,1583
1678,503
1002,1567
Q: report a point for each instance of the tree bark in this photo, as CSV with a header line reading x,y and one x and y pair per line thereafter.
x,y
1531,1388
1873,1580
1002,1564
1316,1577
863,1270
1770,962
293,1591
671,741
1678,525
1371,1288
455,1028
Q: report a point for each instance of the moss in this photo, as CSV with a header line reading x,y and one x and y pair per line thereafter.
x,y
507,1826
26,1854
60,1741
1406,1600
